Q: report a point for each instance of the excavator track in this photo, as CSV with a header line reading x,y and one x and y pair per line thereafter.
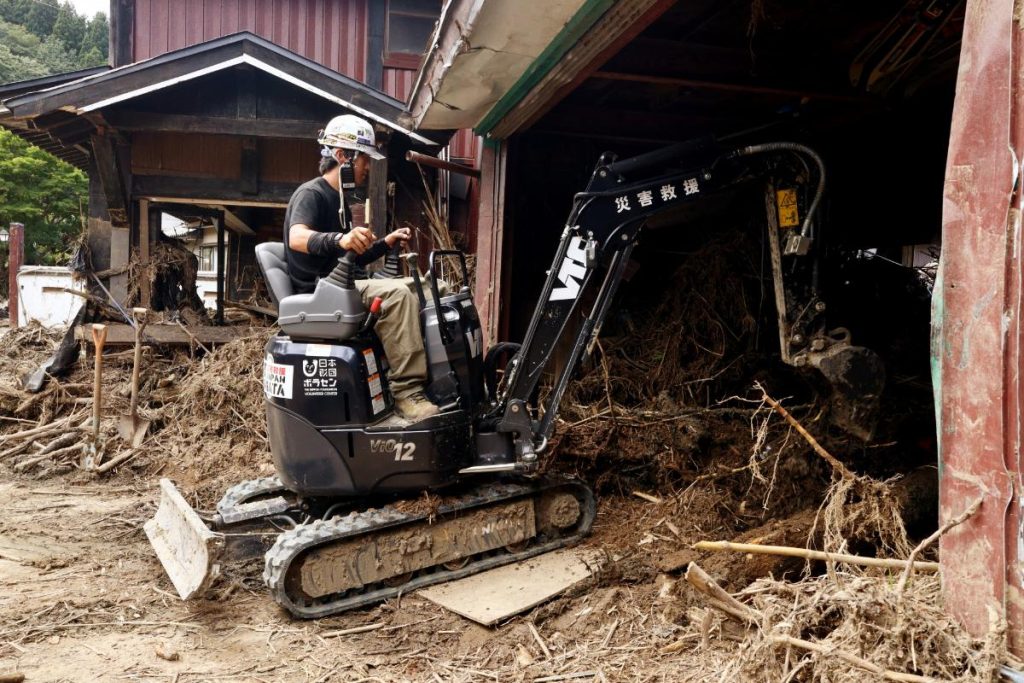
x,y
244,492
330,566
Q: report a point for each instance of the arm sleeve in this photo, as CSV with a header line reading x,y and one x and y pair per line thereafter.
x,y
376,250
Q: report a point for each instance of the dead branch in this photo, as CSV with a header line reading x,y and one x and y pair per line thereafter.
x,y
852,659
718,597
818,448
959,519
789,551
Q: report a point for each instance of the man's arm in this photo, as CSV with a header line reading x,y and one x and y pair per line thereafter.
x,y
304,239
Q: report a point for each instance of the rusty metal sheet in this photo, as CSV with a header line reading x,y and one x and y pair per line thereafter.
x,y
977,329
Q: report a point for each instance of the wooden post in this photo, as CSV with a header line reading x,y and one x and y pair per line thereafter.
x,y
220,269
145,253
377,199
490,240
16,255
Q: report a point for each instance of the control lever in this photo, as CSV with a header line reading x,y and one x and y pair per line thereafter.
x,y
373,316
392,263
410,258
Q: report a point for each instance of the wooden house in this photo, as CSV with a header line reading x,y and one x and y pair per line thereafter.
x,y
209,112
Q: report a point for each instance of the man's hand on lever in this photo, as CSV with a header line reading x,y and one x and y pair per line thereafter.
x,y
357,240
401,235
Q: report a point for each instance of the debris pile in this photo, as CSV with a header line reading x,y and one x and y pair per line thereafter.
x,y
205,410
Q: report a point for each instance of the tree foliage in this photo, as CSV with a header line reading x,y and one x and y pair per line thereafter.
x,y
40,39
46,194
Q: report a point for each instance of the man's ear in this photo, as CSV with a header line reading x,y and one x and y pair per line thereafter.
x,y
340,156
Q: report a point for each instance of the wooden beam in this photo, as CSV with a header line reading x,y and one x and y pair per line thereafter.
x,y
210,190
147,220
250,180
199,201
221,270
743,88
108,167
120,334
233,221
292,129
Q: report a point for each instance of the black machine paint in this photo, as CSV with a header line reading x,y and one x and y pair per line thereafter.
x,y
330,409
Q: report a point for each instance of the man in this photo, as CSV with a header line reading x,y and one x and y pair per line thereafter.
x,y
317,233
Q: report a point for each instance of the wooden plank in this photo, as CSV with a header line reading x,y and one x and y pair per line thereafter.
x,y
206,189
497,594
139,121
120,334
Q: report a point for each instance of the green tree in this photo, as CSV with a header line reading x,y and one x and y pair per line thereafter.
x,y
56,58
40,19
45,194
15,11
96,32
69,28
19,54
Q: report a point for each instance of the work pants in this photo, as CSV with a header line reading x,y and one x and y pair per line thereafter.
x,y
399,331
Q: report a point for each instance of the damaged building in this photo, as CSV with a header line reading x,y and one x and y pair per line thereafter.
x,y
209,115
906,107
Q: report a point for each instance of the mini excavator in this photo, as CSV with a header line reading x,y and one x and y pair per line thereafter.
x,y
339,523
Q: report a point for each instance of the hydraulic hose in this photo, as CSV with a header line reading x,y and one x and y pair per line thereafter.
x,y
805,229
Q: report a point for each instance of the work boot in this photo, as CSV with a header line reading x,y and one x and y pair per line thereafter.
x,y
415,407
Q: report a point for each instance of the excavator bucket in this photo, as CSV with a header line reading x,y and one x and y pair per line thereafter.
x,y
857,376
189,551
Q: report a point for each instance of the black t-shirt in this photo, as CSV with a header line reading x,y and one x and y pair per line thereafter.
x,y
316,203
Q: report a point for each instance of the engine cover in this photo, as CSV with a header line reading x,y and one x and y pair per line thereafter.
x,y
328,409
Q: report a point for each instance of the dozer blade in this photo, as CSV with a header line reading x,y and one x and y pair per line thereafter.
x,y
188,550
857,376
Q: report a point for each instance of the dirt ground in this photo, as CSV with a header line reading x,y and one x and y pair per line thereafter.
x,y
84,599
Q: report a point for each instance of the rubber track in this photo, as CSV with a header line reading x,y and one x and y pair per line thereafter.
x,y
242,492
293,543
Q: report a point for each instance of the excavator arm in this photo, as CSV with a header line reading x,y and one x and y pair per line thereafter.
x,y
603,227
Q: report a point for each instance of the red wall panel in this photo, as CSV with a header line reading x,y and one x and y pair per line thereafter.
x,y
330,32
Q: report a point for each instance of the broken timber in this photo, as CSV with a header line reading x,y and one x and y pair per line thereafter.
x,y
120,334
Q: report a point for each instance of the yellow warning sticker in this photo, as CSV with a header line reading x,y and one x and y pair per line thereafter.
x,y
789,214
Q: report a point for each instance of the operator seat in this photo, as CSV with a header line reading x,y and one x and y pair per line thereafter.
x,y
271,259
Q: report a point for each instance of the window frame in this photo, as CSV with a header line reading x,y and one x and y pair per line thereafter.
x,y
404,60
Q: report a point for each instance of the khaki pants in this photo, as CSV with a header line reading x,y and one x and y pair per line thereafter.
x,y
399,331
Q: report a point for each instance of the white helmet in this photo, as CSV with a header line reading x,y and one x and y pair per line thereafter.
x,y
350,132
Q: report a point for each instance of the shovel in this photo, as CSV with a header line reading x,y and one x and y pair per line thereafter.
x,y
131,427
91,456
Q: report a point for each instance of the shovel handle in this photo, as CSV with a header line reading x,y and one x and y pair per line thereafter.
x,y
99,338
140,316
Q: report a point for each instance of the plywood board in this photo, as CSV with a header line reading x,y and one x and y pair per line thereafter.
x,y
497,594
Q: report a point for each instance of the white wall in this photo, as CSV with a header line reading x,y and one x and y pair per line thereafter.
x,y
41,296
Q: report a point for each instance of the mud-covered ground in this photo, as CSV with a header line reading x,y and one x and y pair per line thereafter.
x,y
84,599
